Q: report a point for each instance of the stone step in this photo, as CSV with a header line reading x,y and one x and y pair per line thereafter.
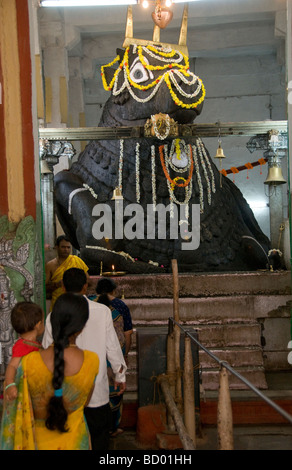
x,y
236,357
210,309
248,360
210,379
203,284
216,335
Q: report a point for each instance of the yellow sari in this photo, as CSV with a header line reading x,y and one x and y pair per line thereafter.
x,y
71,262
23,421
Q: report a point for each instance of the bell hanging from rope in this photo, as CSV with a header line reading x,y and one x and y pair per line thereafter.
x,y
117,194
219,153
275,176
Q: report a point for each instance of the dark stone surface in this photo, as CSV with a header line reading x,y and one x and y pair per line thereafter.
x,y
223,223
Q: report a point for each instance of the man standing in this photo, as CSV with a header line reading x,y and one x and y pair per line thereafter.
x,y
100,337
56,267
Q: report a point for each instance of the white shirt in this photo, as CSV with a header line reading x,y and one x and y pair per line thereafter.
x,y
98,336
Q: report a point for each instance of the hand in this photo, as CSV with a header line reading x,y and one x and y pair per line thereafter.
x,y
11,393
121,386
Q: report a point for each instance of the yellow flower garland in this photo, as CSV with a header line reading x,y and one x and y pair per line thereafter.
x,y
181,103
105,85
183,69
158,67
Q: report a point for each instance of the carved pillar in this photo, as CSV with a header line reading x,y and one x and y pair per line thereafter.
x,y
275,146
21,259
289,106
52,152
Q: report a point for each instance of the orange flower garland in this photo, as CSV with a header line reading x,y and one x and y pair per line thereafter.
x,y
173,182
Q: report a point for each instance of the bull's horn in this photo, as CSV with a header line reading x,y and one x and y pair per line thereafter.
x,y
156,33
129,23
184,27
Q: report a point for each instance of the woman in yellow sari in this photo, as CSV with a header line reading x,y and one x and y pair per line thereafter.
x,y
54,385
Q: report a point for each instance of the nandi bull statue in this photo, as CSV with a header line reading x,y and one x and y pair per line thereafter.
x,y
136,204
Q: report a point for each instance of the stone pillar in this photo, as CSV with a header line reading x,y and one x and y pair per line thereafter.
x,y
21,253
289,101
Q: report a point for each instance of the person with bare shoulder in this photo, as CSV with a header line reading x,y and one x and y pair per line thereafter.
x,y
55,268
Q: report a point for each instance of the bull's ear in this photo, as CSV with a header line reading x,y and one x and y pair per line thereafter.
x,y
121,53
109,73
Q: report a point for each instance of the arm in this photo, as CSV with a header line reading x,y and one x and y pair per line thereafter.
x,y
128,341
11,392
115,355
47,338
50,286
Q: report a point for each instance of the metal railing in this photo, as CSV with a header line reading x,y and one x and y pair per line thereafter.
x,y
181,410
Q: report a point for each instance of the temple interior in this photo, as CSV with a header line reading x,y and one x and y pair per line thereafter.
x,y
52,99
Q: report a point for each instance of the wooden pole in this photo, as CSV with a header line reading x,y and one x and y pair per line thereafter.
x,y
178,390
170,370
171,406
224,414
175,290
189,391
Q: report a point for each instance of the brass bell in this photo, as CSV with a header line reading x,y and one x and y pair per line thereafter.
x,y
275,176
117,194
219,153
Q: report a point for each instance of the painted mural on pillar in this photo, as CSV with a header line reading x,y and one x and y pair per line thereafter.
x,y
20,276
110,203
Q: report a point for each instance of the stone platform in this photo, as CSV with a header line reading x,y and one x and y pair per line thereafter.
x,y
242,317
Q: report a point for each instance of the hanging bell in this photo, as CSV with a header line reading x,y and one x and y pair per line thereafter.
x,y
219,153
117,194
275,176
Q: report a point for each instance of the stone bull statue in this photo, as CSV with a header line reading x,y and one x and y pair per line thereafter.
x,y
206,224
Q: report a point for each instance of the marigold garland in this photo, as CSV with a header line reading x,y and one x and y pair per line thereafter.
x,y
170,70
173,182
246,166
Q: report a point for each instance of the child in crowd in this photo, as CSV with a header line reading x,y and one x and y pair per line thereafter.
x,y
27,319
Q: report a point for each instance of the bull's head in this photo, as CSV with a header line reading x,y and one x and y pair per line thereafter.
x,y
157,78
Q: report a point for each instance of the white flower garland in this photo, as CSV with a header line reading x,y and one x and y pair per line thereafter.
x,y
163,50
138,172
183,78
207,160
201,192
205,174
90,190
120,253
153,177
171,73
173,199
121,162
270,252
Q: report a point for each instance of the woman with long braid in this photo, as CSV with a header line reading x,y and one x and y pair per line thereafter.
x,y
55,384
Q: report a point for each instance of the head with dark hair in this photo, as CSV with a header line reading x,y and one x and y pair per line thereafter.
x,y
25,316
74,279
105,286
68,318
61,238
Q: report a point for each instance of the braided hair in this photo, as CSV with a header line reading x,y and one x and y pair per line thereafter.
x,y
104,287
69,316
